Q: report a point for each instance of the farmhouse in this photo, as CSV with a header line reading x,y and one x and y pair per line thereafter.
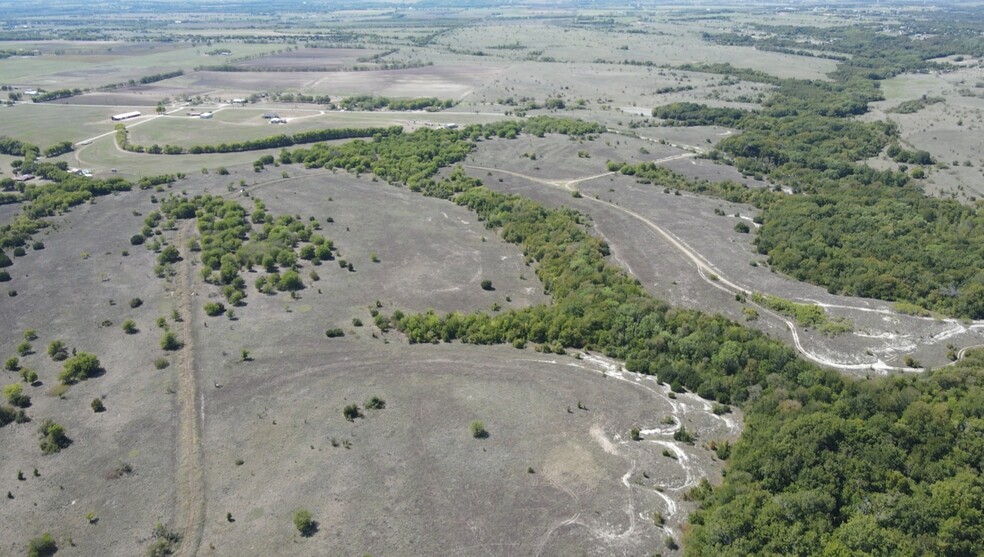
x,y
125,116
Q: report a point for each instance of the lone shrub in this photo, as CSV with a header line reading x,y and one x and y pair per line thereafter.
x,y
136,302
478,430
164,541
304,523
24,348
683,435
375,403
351,412
742,228
97,405
213,309
170,341
136,239
487,285
42,546
12,364
161,363
333,333
130,327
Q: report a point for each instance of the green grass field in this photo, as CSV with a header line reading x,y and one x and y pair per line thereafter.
x,y
44,124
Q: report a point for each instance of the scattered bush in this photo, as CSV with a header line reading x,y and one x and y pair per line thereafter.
x,y
333,333
351,412
57,350
161,363
170,341
375,403
79,368
136,239
130,327
24,348
487,285
97,405
14,393
213,309
53,437
136,302
29,376
12,364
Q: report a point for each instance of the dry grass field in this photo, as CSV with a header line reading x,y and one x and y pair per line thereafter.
x,y
571,474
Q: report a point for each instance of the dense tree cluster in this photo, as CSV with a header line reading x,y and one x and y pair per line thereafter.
x,y
834,466
233,240
860,231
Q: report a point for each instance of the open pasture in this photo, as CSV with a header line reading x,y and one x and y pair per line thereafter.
x,y
311,58
45,124
96,64
557,458
657,43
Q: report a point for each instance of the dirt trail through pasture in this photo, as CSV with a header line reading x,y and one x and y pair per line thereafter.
x,y
190,481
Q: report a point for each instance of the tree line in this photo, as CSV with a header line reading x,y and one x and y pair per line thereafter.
x,y
270,142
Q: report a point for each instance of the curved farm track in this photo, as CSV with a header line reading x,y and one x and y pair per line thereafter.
x,y
707,271
190,479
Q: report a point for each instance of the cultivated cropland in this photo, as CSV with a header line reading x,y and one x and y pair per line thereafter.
x,y
491,278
